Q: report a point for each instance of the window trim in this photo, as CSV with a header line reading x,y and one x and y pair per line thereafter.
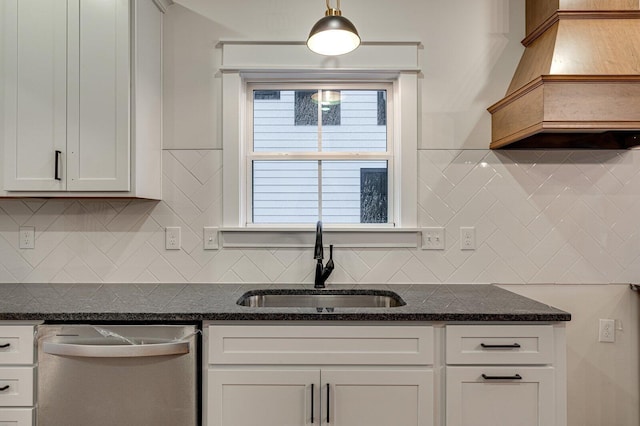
x,y
397,62
405,117
324,84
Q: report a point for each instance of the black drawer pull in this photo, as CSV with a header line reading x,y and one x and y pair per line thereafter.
x,y
328,410
311,402
513,346
4,388
57,169
514,377
6,345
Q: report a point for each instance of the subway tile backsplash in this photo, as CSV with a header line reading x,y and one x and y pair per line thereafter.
x,y
539,217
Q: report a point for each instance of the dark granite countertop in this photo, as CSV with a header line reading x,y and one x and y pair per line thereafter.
x,y
201,302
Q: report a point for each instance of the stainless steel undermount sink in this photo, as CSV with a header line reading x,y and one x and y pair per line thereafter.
x,y
285,298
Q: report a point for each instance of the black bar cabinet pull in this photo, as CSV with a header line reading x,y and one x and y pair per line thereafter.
x,y
4,388
515,345
6,345
57,172
514,377
328,411
312,403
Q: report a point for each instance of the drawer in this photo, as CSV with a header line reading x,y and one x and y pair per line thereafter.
x,y
490,395
499,344
16,416
17,386
320,345
16,344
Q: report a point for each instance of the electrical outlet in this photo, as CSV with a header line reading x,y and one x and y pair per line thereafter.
x,y
27,235
607,331
433,238
467,238
172,238
210,238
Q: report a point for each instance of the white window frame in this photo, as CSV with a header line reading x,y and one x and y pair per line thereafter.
x,y
249,62
388,156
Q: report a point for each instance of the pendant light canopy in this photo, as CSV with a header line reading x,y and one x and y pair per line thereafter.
x,y
334,34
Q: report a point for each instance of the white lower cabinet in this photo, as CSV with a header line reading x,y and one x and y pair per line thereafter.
x,y
341,397
500,396
320,375
16,416
376,374
505,375
389,396
17,371
249,397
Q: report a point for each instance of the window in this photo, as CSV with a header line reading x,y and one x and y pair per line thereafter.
x,y
391,70
317,152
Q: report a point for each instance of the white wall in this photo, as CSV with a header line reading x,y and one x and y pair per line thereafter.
x,y
603,378
540,216
471,48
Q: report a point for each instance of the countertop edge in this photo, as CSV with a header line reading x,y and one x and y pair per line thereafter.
x,y
179,317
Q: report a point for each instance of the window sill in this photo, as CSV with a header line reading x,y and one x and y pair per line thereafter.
x,y
291,237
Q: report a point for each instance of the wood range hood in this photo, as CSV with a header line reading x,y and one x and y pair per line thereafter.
x,y
578,82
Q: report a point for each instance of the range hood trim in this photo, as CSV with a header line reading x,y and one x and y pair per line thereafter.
x,y
577,14
532,109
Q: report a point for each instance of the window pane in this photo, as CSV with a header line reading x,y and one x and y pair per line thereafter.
x,y
361,127
354,192
285,191
306,107
274,123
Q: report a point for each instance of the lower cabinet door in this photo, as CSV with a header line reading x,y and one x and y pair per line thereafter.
x,y
16,416
500,396
377,397
267,397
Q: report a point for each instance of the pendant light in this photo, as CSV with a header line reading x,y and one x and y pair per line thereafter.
x,y
334,34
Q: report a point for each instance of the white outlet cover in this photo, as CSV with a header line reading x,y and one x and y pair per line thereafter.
x,y
172,238
27,237
467,238
607,331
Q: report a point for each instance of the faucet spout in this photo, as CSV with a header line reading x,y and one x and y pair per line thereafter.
x,y
322,272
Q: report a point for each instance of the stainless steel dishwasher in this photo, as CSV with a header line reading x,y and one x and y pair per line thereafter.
x,y
125,375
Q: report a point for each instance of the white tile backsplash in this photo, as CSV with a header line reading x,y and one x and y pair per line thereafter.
x,y
540,216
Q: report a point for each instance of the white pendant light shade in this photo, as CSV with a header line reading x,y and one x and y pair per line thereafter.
x,y
334,34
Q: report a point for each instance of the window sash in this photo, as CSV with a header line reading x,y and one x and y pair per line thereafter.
x,y
251,155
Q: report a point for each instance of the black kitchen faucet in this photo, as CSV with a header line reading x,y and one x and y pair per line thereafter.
x,y
322,272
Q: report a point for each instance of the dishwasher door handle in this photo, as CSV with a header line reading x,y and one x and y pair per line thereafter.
x,y
116,351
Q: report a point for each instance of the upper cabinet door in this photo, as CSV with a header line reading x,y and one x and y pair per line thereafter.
x,y
35,93
99,72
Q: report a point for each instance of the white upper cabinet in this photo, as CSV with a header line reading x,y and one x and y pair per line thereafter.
x,y
35,93
81,98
